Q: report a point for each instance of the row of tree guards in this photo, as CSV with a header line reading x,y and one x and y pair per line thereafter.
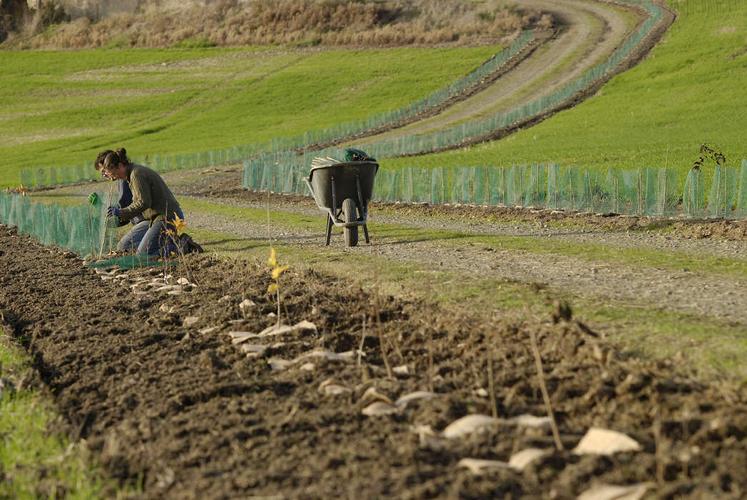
x,y
718,192
706,192
83,229
406,145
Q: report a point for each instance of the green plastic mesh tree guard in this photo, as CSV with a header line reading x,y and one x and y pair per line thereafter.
x,y
83,229
644,191
722,200
741,210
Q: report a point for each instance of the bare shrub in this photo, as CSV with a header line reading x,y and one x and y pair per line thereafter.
x,y
328,22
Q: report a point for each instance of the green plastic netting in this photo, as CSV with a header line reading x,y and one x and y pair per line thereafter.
x,y
128,262
644,191
83,229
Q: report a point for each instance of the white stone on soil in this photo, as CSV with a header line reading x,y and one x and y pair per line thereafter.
x,y
414,396
379,408
253,350
240,337
190,321
531,421
469,425
371,394
330,388
245,305
401,370
599,441
521,459
614,492
277,364
479,466
274,330
328,355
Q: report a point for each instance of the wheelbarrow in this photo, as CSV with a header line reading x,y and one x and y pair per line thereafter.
x,y
343,190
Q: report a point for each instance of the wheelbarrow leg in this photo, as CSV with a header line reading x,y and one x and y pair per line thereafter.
x,y
329,228
365,233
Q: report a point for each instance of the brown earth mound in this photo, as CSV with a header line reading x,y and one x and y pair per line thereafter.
x,y
146,372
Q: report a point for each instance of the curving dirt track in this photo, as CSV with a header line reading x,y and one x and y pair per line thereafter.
x,y
589,33
153,383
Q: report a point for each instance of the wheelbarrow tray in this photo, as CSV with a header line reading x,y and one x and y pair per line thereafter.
x,y
332,186
341,181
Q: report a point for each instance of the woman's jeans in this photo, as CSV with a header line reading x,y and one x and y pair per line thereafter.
x,y
145,238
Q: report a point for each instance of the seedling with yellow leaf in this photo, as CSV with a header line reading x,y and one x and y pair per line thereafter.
x,y
276,270
176,227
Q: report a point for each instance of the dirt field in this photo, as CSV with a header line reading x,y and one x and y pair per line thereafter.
x,y
149,377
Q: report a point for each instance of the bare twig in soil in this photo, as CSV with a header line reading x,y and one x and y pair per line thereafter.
x,y
278,296
491,385
380,333
363,340
377,314
269,238
430,359
543,388
657,441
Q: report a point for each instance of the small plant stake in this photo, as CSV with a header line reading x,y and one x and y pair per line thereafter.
x,y
543,388
276,270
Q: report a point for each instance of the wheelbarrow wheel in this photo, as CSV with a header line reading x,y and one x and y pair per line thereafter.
x,y
350,214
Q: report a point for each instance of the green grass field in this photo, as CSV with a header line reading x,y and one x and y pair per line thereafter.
x,y
62,107
685,93
36,459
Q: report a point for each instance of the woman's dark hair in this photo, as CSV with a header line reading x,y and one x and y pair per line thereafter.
x,y
109,158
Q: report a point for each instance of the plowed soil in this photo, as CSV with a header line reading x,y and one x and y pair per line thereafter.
x,y
170,402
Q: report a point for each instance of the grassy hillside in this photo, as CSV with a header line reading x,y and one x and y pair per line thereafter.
x,y
59,108
688,91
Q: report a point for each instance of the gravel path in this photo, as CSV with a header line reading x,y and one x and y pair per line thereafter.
x,y
681,290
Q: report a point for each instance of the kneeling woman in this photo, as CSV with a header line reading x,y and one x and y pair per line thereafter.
x,y
151,199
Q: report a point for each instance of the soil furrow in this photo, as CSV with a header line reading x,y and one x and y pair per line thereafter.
x,y
191,415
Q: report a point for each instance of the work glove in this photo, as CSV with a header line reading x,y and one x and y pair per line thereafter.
x,y
93,199
113,211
